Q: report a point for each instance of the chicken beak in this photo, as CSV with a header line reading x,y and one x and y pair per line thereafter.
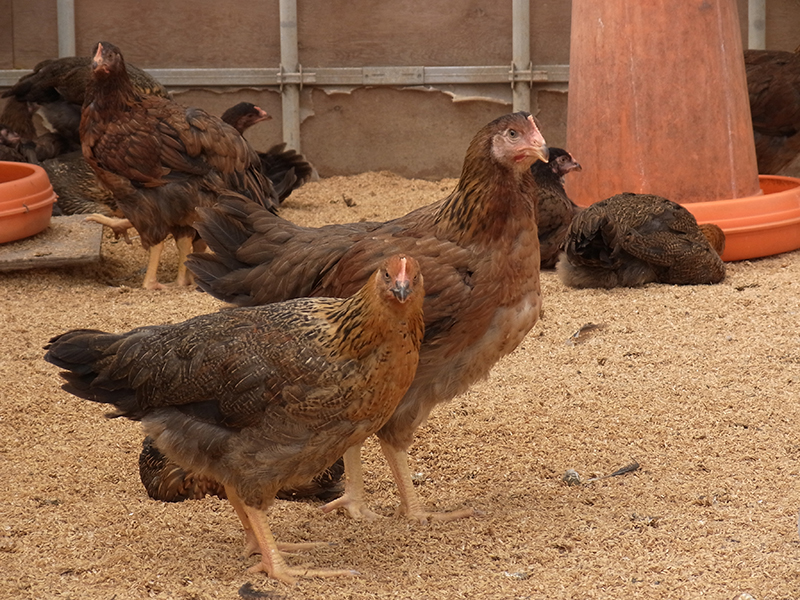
x,y
542,153
401,290
98,57
263,115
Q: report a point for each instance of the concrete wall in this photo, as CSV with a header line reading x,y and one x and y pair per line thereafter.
x,y
344,130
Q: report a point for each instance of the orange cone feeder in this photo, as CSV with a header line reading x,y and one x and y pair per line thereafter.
x,y
658,104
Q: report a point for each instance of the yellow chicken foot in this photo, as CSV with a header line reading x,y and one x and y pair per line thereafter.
x,y
252,545
185,246
410,505
151,275
272,562
118,226
352,500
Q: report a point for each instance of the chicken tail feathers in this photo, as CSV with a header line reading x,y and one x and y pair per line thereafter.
x,y
80,353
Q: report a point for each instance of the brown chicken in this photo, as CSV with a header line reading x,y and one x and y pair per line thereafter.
x,y
13,148
479,247
161,160
555,210
260,398
167,481
633,239
286,169
773,84
56,87
77,187
17,116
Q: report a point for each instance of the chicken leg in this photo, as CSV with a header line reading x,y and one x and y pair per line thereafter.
x,y
259,535
185,246
151,275
352,500
118,226
410,505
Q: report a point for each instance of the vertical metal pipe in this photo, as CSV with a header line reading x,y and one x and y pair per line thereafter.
x,y
757,24
66,27
521,50
290,93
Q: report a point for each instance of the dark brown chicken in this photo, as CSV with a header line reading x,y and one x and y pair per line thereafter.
x,y
264,397
167,481
77,187
773,84
161,160
13,148
633,239
286,169
479,246
555,210
17,116
56,87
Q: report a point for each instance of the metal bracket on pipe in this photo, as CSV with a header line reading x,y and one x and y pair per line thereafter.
x,y
298,77
529,75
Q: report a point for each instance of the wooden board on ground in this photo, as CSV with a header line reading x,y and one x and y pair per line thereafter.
x,y
69,240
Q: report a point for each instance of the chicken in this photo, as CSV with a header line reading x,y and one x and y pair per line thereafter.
x,y
633,239
13,148
57,88
478,247
260,398
77,187
286,169
161,160
773,84
555,210
166,481
17,116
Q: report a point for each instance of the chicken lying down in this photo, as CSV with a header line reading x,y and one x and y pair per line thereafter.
x,y
167,481
773,85
77,187
260,398
633,239
13,148
555,210
478,248
161,160
286,169
56,89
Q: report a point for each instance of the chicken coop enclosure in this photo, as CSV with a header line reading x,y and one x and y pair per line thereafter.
x,y
356,86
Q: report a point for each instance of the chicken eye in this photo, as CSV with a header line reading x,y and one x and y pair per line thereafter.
x,y
512,133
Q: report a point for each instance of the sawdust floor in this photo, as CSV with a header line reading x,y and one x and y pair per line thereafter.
x,y
699,385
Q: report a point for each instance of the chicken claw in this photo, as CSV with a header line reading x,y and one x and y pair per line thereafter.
x,y
410,506
352,500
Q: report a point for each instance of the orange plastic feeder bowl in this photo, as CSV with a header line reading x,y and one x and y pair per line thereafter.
x,y
26,200
756,226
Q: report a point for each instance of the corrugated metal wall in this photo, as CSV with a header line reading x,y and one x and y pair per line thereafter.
x,y
413,130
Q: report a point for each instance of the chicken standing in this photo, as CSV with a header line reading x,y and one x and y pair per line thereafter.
x,y
286,169
773,85
478,248
633,239
161,160
555,210
258,398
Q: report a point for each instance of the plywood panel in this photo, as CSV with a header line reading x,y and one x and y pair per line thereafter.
x,y
175,33
404,32
417,134
35,32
